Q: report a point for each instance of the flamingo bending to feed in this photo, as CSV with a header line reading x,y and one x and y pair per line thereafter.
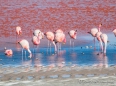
x,y
104,39
8,52
50,36
60,37
18,31
25,45
72,34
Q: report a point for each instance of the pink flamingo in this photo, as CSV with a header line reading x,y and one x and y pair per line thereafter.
x,y
36,40
104,39
114,31
99,38
25,45
8,52
38,33
72,34
60,37
18,32
50,36
93,32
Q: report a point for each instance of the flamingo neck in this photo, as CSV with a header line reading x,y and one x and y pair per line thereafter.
x,y
64,41
29,51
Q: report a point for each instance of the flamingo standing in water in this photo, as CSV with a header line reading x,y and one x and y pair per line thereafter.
x,y
8,52
38,35
36,40
18,32
25,45
60,37
104,39
93,32
72,34
50,36
98,34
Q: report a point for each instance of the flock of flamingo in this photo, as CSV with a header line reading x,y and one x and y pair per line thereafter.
x,y
59,37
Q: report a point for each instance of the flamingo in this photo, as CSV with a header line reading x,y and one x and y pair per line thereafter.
x,y
98,37
50,36
114,31
25,45
93,32
104,39
8,52
18,31
36,40
72,34
60,37
38,33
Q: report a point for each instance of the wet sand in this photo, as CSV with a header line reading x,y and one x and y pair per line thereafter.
x,y
66,75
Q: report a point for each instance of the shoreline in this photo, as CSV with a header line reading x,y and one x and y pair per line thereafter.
x,y
23,73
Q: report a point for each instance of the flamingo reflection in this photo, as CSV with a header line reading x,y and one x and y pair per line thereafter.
x,y
37,62
51,60
60,59
102,61
26,64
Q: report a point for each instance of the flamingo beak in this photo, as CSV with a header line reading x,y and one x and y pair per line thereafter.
x,y
88,32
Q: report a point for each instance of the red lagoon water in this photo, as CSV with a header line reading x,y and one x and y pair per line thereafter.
x,y
53,14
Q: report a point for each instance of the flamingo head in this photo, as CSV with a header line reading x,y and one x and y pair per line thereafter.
x,y
20,32
89,32
40,35
100,25
19,41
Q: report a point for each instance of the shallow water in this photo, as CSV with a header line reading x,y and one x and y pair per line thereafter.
x,y
81,54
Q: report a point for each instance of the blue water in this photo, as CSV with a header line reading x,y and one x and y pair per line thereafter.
x,y
82,54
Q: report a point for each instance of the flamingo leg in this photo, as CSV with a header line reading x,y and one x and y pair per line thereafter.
x,y
33,48
105,45
73,44
54,46
94,44
16,38
25,54
60,46
70,42
50,47
101,46
22,55
48,43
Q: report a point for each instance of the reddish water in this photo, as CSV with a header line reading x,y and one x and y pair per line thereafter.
x,y
54,14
